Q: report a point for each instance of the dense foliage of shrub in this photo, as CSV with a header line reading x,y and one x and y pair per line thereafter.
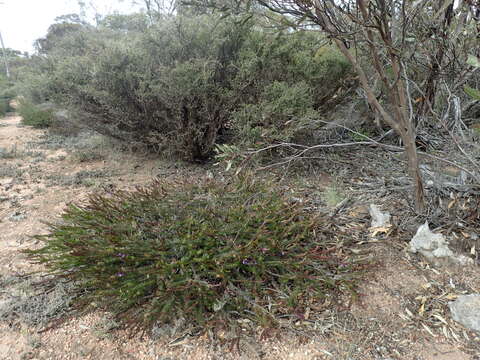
x,y
7,94
167,88
283,113
204,252
183,84
288,80
33,115
4,107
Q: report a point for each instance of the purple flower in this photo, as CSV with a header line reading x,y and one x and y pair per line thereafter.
x,y
120,274
121,255
248,262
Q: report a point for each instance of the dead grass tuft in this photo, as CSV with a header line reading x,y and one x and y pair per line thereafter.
x,y
23,302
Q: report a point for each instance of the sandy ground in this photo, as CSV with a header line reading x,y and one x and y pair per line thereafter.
x,y
36,184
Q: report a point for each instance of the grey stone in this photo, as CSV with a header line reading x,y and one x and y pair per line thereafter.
x,y
466,311
464,260
17,216
434,246
61,115
379,219
426,242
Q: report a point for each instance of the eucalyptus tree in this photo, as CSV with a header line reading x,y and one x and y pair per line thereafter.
x,y
401,37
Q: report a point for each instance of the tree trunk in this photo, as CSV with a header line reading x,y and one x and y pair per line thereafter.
x,y
400,124
414,170
431,85
400,121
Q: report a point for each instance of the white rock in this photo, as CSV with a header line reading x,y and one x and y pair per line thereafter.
x,y
434,246
466,311
379,219
464,260
427,243
443,251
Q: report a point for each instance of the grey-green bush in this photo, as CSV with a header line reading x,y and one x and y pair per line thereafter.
x,y
4,106
287,80
33,115
7,94
168,89
184,84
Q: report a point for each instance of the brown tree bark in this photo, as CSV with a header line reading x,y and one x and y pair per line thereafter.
x,y
399,121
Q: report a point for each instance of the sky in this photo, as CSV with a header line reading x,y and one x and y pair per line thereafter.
x,y
24,21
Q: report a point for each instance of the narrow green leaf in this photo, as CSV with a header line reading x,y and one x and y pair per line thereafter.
x,y
473,93
473,61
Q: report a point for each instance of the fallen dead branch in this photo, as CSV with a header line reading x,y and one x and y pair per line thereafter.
x,y
301,150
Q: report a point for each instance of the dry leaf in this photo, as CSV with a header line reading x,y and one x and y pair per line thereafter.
x,y
380,230
421,311
429,330
409,313
440,318
451,296
445,332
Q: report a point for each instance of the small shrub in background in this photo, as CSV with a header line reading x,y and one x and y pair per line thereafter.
x,y
91,147
7,94
35,116
4,107
283,113
287,82
206,251
34,82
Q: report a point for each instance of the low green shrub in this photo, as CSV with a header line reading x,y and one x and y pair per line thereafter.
x,y
204,252
34,83
287,82
4,107
6,96
283,113
34,116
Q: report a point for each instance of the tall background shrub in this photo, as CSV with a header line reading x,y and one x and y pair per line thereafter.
x,y
182,84
7,94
